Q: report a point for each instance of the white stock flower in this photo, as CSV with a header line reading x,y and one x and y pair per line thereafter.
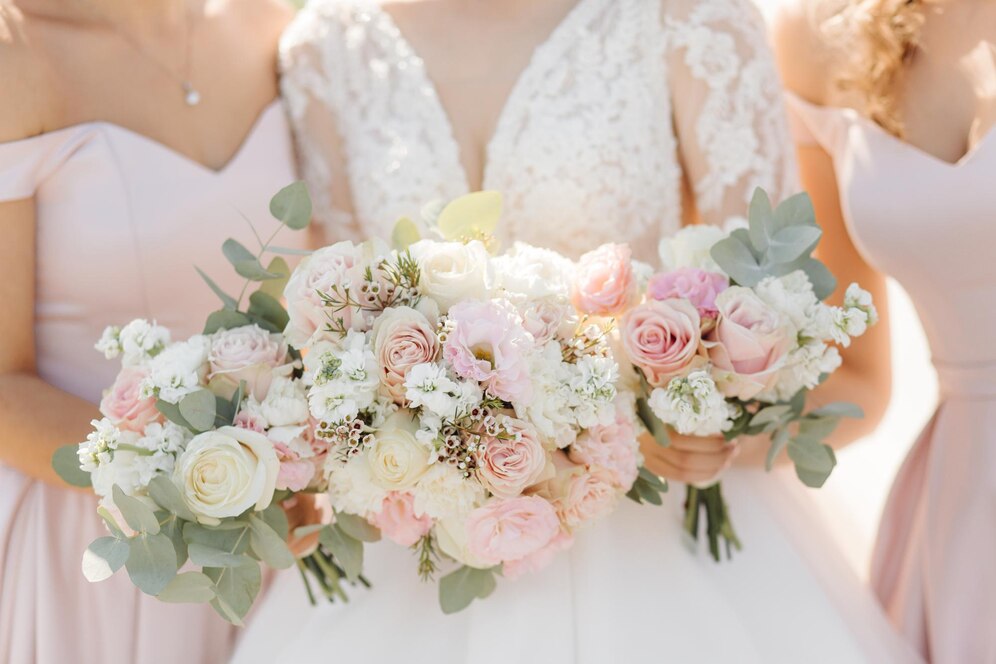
x,y
225,472
690,247
452,271
139,341
178,370
129,459
345,379
693,406
857,298
443,492
427,386
802,370
110,342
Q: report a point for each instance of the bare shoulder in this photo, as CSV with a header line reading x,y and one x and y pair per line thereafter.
x,y
259,19
23,72
807,60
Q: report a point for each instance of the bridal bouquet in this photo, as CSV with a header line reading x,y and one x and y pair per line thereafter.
x,y
200,442
730,336
470,412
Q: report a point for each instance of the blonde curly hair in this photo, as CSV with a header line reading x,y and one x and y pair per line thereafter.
x,y
882,37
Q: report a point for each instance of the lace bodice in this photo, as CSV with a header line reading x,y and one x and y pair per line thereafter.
x,y
623,100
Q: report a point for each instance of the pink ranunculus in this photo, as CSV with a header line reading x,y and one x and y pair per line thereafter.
x,y
749,344
402,338
581,495
295,473
123,404
603,282
612,448
397,519
534,562
507,466
248,353
511,528
663,339
688,283
488,344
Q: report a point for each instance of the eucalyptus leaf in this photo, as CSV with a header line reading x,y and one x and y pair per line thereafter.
x,y
208,556
231,541
654,426
224,412
289,251
225,298
268,308
813,461
225,319
268,545
111,522
188,588
292,206
761,219
347,550
839,409
770,415
461,587
357,527
795,210
171,412
276,518
246,264
199,409
311,528
779,440
405,234
275,287
816,429
736,259
792,243
470,216
137,514
104,557
823,281
172,527
66,463
235,589
151,562
167,496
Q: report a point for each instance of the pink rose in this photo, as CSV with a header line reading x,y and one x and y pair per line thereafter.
x,y
489,345
663,339
397,520
534,562
336,266
544,317
123,404
295,473
247,353
612,448
748,345
510,528
697,286
402,338
604,283
507,466
581,495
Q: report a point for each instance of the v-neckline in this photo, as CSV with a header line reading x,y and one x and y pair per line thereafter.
x,y
557,38
966,158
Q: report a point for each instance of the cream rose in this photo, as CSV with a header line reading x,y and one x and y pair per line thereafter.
x,y
225,472
397,460
452,271
402,338
247,353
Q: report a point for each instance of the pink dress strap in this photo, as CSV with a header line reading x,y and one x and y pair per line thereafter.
x,y
814,125
26,163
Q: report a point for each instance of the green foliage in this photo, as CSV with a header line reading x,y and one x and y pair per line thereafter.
x,y
188,588
654,426
357,527
647,487
461,587
136,513
292,206
225,319
104,557
199,410
225,298
346,549
275,287
246,263
66,464
168,497
151,562
267,311
235,589
268,545
405,234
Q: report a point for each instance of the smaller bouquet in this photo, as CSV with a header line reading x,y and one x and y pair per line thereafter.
x,y
730,337
469,411
200,442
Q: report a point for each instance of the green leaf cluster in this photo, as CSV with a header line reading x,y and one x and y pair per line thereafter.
x,y
462,586
647,487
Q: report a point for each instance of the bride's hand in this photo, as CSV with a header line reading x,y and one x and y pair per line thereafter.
x,y
688,459
305,509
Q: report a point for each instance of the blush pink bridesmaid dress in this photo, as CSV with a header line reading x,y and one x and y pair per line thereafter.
x,y
121,222
931,225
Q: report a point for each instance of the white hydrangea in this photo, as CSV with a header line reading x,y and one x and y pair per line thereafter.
x,y
429,387
139,341
177,370
345,380
443,492
286,403
693,406
352,488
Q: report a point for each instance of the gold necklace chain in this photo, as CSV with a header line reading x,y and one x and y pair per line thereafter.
x,y
191,96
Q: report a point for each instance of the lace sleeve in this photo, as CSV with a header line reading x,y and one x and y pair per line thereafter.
x,y
312,100
729,117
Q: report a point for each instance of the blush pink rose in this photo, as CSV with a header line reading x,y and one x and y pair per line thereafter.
x,y
749,344
295,473
335,266
663,339
534,562
603,282
397,519
488,344
544,317
583,495
697,286
506,467
510,529
402,338
123,404
612,448
248,353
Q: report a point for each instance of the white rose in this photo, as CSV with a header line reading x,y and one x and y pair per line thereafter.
x,y
690,247
451,536
533,272
452,271
397,460
225,472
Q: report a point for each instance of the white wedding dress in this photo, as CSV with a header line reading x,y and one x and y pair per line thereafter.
x,y
625,101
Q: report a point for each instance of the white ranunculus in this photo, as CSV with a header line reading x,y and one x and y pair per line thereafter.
x,y
533,272
690,247
397,459
286,403
444,492
225,472
452,271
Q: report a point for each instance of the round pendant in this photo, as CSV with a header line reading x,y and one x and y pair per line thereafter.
x,y
190,95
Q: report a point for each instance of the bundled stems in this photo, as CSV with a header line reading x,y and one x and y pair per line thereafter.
x,y
326,572
718,525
